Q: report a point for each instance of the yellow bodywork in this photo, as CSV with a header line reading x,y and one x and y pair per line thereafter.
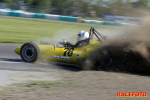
x,y
65,54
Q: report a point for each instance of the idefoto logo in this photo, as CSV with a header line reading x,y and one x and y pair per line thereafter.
x,y
132,94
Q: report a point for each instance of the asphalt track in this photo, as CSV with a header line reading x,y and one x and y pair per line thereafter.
x,y
9,60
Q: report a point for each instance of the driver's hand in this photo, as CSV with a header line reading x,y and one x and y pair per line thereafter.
x,y
64,41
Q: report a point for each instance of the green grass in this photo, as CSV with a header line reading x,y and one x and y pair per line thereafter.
x,y
43,84
21,31
32,85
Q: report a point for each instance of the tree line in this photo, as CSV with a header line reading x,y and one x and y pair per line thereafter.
x,y
86,8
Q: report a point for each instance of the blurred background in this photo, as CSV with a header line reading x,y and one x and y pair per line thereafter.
x,y
79,8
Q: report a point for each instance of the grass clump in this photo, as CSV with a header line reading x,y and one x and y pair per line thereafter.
x,y
43,84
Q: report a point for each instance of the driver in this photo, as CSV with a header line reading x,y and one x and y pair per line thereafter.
x,y
82,40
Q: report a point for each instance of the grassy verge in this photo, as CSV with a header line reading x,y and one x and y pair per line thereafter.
x,y
30,86
21,31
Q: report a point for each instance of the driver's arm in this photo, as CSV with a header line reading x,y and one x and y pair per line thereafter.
x,y
78,44
69,44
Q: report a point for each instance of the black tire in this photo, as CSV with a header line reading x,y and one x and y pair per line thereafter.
x,y
103,60
29,52
106,63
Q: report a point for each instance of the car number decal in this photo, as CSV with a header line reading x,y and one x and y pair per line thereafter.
x,y
69,52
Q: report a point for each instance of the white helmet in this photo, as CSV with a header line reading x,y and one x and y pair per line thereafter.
x,y
82,35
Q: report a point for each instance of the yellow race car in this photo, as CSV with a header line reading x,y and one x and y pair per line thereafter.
x,y
31,52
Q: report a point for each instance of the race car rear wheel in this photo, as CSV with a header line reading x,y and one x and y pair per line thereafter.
x,y
99,59
29,52
103,60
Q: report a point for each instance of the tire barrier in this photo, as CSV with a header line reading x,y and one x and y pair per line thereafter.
x,y
92,21
111,23
28,15
68,18
50,16
4,12
38,15
79,20
103,22
14,13
19,13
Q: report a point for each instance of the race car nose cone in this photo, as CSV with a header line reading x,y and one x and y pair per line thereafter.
x,y
17,50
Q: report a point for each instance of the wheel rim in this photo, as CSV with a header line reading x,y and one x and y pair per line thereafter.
x,y
29,53
106,61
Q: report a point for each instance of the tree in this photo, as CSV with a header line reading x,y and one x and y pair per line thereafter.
x,y
58,3
7,1
2,0
45,3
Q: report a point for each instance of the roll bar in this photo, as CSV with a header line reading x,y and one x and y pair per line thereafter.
x,y
97,34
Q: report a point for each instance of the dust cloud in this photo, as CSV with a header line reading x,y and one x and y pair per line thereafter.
x,y
65,33
129,49
70,35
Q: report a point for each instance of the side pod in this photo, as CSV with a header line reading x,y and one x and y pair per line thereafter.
x,y
17,50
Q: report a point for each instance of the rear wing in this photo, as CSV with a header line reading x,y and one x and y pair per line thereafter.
x,y
97,34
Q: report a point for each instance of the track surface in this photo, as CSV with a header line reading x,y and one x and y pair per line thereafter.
x,y
90,85
9,60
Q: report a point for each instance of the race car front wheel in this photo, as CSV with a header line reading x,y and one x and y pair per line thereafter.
x,y
29,52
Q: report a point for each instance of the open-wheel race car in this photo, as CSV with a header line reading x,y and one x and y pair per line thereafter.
x,y
31,52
